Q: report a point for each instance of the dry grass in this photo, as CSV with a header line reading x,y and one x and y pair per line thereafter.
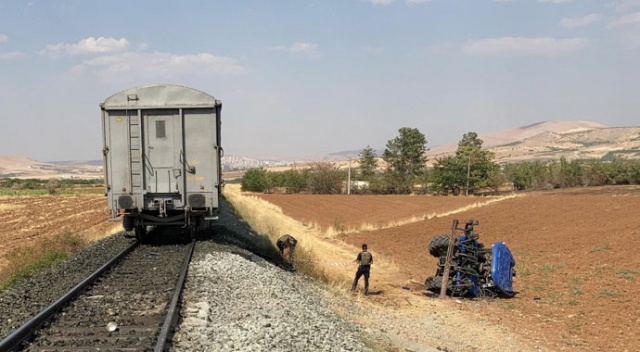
x,y
325,258
40,253
96,235
24,262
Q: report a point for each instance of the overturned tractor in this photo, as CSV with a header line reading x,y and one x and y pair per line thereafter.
x,y
474,271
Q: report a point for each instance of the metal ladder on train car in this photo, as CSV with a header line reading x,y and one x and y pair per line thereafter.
x,y
135,155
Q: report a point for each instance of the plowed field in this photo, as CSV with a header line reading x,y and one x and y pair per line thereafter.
x,y
29,219
578,266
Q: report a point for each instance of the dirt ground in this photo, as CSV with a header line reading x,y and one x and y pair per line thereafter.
x,y
28,219
576,252
577,263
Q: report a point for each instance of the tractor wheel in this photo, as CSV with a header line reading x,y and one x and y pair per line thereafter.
x,y
433,284
439,245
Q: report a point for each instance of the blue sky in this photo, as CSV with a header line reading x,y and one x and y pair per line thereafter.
x,y
305,78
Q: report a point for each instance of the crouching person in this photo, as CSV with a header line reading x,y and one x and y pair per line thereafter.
x,y
289,243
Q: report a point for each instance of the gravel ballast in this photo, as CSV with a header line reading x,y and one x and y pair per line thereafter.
x,y
232,303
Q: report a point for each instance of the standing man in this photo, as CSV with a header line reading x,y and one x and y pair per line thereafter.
x,y
364,259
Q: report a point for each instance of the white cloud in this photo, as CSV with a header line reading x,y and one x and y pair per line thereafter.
x,y
625,20
412,2
555,1
11,55
3,38
298,48
303,47
158,65
524,46
625,5
88,45
573,22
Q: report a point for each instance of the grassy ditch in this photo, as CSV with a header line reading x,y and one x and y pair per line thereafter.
x,y
326,261
25,262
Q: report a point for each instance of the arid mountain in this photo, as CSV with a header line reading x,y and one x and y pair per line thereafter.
x,y
555,139
513,135
23,167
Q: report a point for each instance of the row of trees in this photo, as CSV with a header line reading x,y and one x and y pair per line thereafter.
x,y
472,169
52,185
563,173
320,178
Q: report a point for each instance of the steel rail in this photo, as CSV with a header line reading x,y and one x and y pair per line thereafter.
x,y
23,333
172,313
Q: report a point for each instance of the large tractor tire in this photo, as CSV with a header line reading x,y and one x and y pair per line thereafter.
x,y
434,284
439,245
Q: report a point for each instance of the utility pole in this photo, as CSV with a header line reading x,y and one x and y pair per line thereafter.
x,y
349,178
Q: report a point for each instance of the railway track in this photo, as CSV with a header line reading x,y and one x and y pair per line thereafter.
x,y
129,304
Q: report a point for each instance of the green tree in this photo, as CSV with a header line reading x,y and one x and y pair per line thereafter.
x,y
255,180
448,175
469,144
53,186
471,168
405,158
595,173
294,181
368,163
325,178
528,175
565,173
480,165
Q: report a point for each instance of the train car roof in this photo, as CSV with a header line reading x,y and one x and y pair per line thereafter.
x,y
159,96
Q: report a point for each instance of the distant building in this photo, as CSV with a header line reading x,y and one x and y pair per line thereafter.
x,y
360,184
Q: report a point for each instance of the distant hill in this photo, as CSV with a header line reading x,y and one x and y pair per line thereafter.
x,y
23,167
555,139
514,135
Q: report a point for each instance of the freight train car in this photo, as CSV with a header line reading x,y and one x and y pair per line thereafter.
x,y
161,157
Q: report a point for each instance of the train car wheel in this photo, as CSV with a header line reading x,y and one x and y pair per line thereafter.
x,y
193,231
141,233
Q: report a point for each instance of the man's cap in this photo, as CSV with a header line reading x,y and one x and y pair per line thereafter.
x,y
364,245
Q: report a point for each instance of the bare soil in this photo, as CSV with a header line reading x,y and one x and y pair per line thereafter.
x,y
577,263
26,220
576,251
